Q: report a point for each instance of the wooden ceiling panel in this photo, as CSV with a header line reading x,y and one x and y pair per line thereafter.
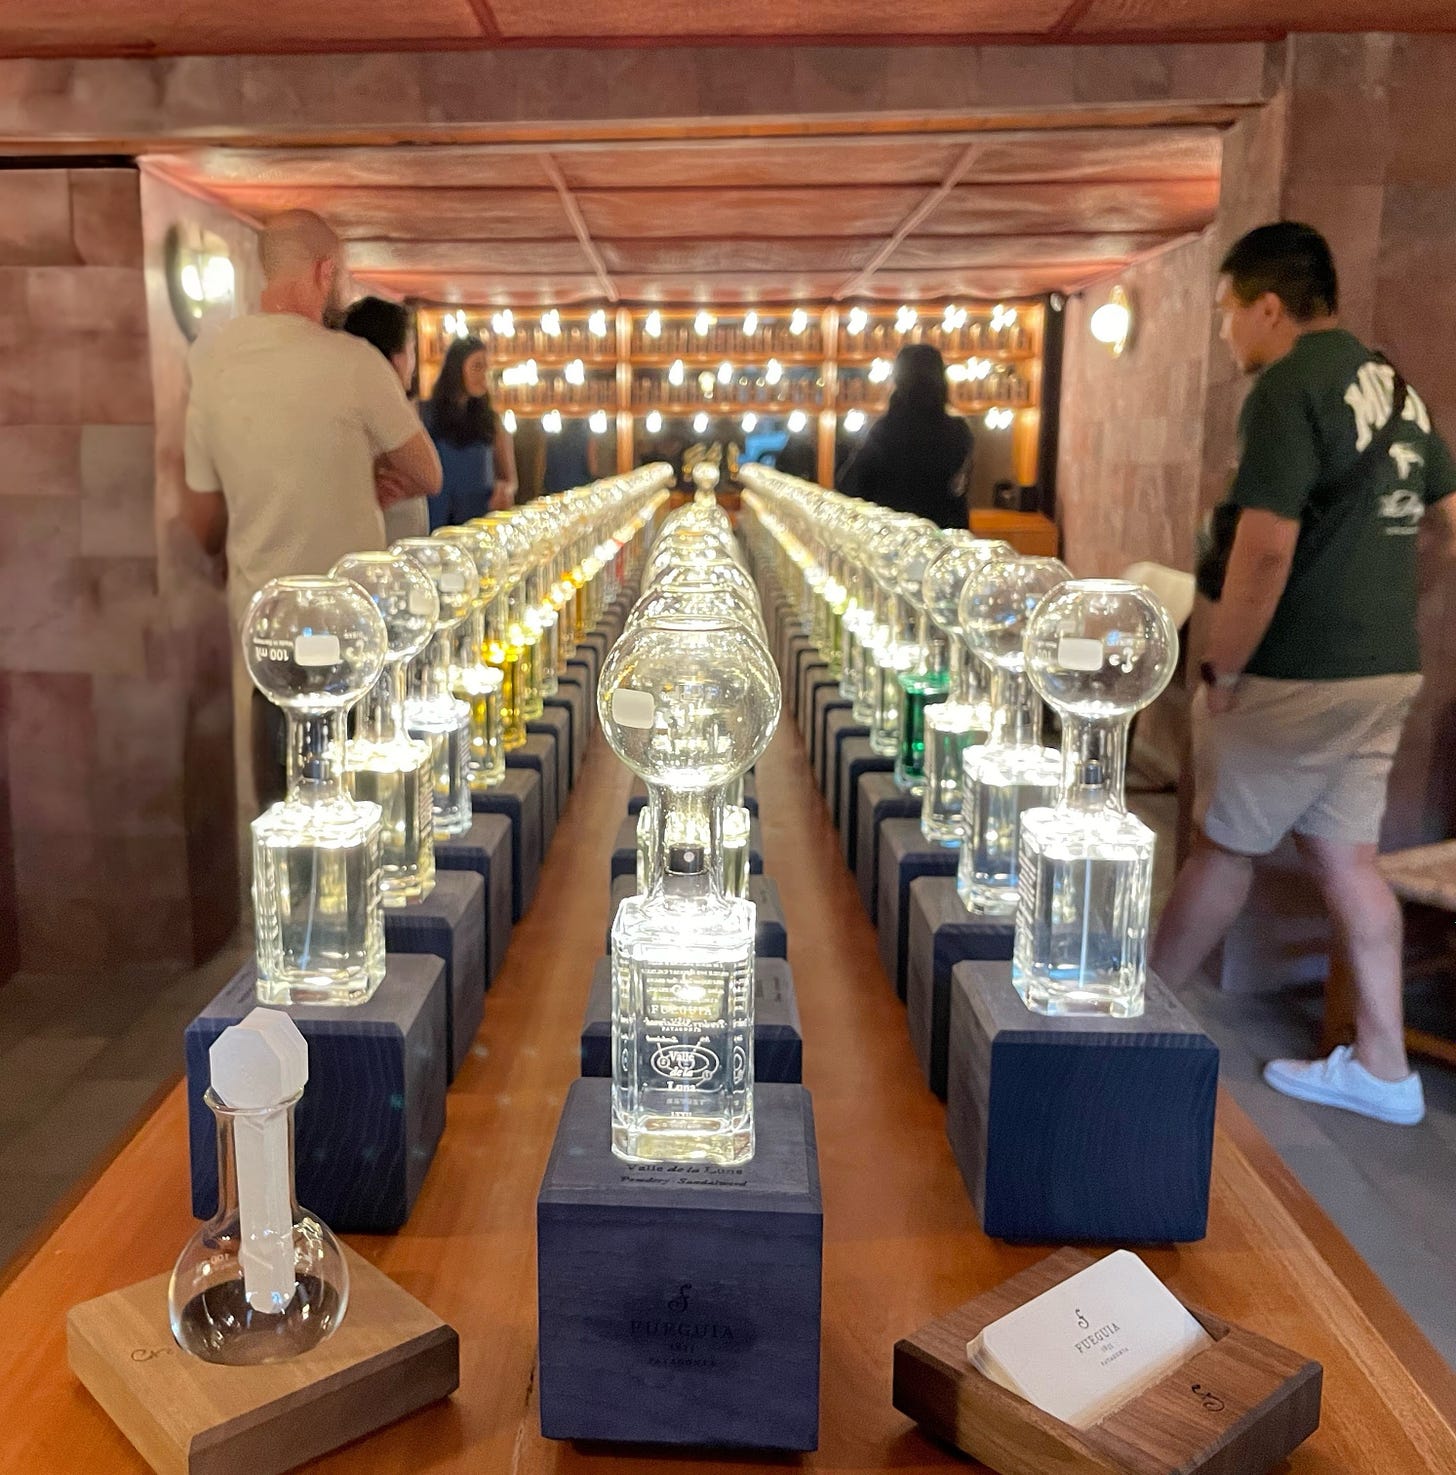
x,y
1189,17
1002,209
987,284
536,20
786,256
180,27
726,213
728,287
408,214
1099,154
955,252
485,290
421,166
476,258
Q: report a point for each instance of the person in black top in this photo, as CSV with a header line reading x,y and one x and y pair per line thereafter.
x,y
916,457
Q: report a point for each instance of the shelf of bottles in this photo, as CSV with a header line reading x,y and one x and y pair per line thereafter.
x,y
801,367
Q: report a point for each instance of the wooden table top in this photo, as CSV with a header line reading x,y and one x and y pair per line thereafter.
x,y
901,1242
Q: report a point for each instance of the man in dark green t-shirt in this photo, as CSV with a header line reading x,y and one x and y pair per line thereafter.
x,y
1312,659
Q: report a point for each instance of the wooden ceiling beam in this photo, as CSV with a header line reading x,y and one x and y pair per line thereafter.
x,y
578,224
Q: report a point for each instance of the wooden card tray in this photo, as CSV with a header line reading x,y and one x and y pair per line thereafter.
x,y
1236,1408
390,1357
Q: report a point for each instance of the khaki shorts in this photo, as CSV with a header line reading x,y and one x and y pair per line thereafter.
x,y
1312,757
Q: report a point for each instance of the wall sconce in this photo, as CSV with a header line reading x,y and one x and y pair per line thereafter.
x,y
200,278
1112,322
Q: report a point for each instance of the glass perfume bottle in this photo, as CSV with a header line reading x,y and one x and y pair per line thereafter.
x,y
1012,772
473,680
384,764
963,719
502,649
315,646
879,682
432,711
262,1280
925,679
1097,650
688,705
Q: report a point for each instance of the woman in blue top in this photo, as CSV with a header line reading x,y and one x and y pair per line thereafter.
x,y
475,449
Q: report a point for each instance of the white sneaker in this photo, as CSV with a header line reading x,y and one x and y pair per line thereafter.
x,y
1340,1080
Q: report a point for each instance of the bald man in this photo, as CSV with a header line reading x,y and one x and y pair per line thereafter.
x,y
290,430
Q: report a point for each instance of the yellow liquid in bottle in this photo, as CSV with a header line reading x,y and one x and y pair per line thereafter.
x,y
505,656
530,670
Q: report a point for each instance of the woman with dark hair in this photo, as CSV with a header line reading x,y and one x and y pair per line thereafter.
x,y
916,457
475,449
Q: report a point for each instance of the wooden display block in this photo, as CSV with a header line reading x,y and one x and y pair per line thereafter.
x,y
637,796
1239,1407
771,936
450,923
905,856
485,848
778,1041
856,758
371,1116
942,934
571,698
826,700
1079,1128
813,668
389,1357
680,1302
624,853
879,798
594,646
518,798
538,755
555,723
580,670
840,727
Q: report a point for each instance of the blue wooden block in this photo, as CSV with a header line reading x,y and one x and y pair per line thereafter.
x,y
816,679
840,728
679,1303
942,934
637,795
1079,1128
905,855
538,754
517,798
595,646
826,700
624,854
450,923
798,648
810,664
372,1114
879,798
485,848
555,723
571,698
579,669
771,936
778,1041
856,758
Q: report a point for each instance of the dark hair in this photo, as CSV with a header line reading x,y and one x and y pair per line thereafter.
x,y
453,415
1292,261
384,324
920,387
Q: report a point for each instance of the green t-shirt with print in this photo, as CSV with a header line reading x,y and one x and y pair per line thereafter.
x,y
1349,606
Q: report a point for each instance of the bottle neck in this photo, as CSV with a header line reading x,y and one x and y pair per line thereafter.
x,y
430,676
497,618
686,826
380,715
469,639
1015,711
1094,763
315,757
226,1121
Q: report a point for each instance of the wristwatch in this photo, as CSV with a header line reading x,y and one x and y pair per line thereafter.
x,y
1210,675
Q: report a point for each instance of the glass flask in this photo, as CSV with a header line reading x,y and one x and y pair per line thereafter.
x,y
737,829
432,711
963,718
1013,772
688,705
520,634
474,680
263,1280
314,647
1097,650
502,646
890,652
384,764
925,679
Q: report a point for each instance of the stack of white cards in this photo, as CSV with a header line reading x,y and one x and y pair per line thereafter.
x,y
1089,1345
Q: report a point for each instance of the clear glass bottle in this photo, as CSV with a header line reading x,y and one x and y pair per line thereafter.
x,y
383,764
315,646
1097,650
263,1280
1012,772
925,677
474,679
432,711
688,705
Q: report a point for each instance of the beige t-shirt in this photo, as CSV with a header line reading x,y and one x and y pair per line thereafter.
x,y
286,419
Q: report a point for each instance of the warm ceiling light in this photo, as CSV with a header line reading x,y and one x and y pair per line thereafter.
x,y
725,372
509,421
551,422
999,419
575,372
798,322
217,279
957,373
750,423
798,422
700,422
955,317
191,280
551,323
654,422
880,370
750,324
653,325
854,421
774,372
596,324
503,325
1112,322
677,373
705,384
598,422
703,323
858,320
905,319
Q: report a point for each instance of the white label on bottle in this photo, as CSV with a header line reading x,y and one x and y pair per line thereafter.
x,y
633,708
451,582
419,601
316,650
1077,653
